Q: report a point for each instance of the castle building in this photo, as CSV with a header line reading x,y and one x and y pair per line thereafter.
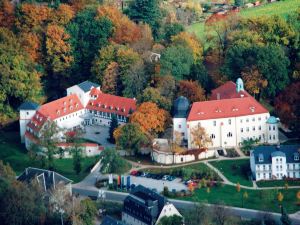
x,y
85,104
275,162
231,116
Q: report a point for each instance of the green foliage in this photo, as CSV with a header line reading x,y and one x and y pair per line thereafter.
x,y
285,220
170,220
77,159
88,35
239,2
151,94
199,73
247,145
179,65
112,162
89,211
113,125
6,171
172,29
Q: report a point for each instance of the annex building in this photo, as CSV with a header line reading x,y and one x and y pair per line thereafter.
x,y
231,116
85,104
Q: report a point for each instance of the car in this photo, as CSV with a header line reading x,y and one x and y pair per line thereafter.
x,y
133,172
187,182
139,173
171,178
165,177
144,174
149,175
159,176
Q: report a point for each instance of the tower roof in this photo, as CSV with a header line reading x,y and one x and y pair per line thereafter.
x,y
272,120
87,85
29,106
181,107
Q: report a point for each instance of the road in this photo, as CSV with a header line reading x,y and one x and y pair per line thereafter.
x,y
241,212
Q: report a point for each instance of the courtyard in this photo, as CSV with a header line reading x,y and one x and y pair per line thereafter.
x,y
98,134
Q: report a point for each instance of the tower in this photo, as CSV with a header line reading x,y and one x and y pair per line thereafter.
x,y
239,85
180,111
27,111
272,130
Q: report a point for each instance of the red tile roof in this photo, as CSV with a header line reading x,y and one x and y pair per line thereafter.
x,y
95,91
61,107
87,144
225,108
112,104
227,90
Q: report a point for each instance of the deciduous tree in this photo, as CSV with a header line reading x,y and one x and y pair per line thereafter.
x,y
113,126
191,90
7,14
153,95
111,79
200,138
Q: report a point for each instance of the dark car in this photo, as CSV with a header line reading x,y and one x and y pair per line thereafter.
x,y
149,175
171,178
159,176
139,173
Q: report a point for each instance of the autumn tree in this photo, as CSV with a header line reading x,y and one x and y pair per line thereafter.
x,y
166,86
62,15
6,171
145,42
151,94
200,138
130,137
31,43
280,197
254,81
151,119
111,79
19,79
58,49
287,106
7,14
125,30
238,187
298,197
191,90
113,126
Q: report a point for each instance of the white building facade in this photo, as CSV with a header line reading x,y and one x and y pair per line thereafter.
x,y
275,162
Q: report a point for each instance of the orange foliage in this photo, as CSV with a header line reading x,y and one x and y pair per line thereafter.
x,y
151,118
33,17
32,45
62,15
192,90
7,14
254,81
191,42
125,30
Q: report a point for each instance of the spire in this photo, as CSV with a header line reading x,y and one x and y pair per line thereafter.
x,y
239,85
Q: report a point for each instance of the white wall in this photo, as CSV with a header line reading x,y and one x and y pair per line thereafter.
x,y
279,167
272,133
83,97
25,117
168,210
179,125
71,120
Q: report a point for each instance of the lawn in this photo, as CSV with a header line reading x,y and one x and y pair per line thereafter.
x,y
257,199
14,153
278,183
235,170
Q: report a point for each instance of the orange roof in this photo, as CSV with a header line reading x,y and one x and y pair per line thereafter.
x,y
37,121
61,107
227,90
95,92
225,108
87,144
112,104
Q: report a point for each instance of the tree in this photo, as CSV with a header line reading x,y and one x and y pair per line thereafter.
x,y
220,214
170,220
58,49
112,162
62,15
31,43
77,159
166,86
179,65
145,11
150,118
245,197
199,73
191,90
20,80
200,138
129,137
172,29
254,81
7,14
190,41
287,106
6,172
113,125
285,220
280,197
247,145
239,3
238,187
111,78
151,94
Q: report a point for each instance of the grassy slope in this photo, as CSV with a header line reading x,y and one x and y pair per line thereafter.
x,y
14,153
261,200
237,173
282,8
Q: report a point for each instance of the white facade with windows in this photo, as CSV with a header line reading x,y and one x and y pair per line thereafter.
x,y
275,162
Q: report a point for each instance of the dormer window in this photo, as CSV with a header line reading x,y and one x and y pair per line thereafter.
x,y
260,158
123,109
71,107
296,157
218,110
57,112
65,109
76,106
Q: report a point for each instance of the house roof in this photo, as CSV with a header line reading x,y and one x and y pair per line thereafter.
x,y
272,120
29,106
111,221
267,152
112,104
46,178
227,90
87,85
225,108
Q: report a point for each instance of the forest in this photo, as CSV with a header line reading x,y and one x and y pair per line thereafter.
x,y
46,47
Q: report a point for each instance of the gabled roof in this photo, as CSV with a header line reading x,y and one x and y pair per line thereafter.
x,y
112,104
111,221
87,85
29,106
225,108
46,178
288,151
227,90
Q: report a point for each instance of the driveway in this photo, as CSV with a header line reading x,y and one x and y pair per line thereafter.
x,y
158,184
98,134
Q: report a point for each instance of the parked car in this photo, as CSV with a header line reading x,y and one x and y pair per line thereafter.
x,y
149,175
144,174
139,173
133,172
165,177
171,178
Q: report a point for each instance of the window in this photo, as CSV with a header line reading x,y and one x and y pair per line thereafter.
x,y
27,113
258,175
259,119
270,167
270,137
229,134
229,121
277,160
273,137
259,127
253,119
269,127
182,134
247,129
212,136
215,123
179,126
259,137
241,121
273,127
247,120
253,128
296,157
242,130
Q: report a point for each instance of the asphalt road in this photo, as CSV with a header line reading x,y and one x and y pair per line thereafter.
x,y
241,212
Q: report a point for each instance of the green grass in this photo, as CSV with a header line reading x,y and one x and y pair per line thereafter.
x,y
14,153
281,8
258,199
235,170
198,29
278,183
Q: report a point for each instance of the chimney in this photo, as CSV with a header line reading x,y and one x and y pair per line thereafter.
x,y
218,96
